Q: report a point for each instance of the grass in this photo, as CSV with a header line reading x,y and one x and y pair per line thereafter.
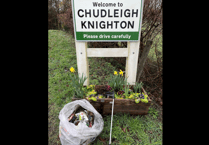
x,y
126,129
129,129
99,71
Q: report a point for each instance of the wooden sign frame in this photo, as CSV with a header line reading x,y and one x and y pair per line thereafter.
x,y
131,53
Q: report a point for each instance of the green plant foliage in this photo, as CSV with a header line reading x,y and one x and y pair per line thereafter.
x,y
117,82
92,98
137,87
137,100
91,93
145,100
126,89
90,87
139,130
77,83
94,81
153,112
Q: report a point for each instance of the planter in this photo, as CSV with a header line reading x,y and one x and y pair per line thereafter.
x,y
103,106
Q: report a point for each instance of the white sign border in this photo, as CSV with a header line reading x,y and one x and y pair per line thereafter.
x,y
141,16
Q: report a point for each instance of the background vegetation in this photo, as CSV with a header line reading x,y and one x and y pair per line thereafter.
x,y
127,129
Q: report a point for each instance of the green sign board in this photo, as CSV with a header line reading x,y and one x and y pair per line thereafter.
x,y
107,21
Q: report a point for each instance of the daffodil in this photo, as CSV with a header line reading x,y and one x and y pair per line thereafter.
x,y
72,70
115,73
121,72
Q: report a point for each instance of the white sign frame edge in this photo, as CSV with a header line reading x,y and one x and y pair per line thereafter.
x,y
131,59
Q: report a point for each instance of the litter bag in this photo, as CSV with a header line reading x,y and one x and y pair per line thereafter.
x,y
70,134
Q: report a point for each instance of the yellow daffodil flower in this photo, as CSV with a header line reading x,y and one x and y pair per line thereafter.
x,y
121,72
72,70
115,73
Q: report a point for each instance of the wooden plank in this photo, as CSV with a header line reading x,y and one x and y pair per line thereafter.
x,y
125,107
132,112
124,111
132,109
118,101
82,60
132,61
96,105
122,101
107,52
104,107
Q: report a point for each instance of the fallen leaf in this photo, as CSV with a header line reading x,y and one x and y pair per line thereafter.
x,y
103,140
67,85
124,129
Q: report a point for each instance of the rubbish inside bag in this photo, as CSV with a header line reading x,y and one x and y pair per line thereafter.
x,y
80,123
82,116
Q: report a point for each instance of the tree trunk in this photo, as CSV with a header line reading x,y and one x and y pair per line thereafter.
x,y
143,58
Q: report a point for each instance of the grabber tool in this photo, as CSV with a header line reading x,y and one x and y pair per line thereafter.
x,y
113,96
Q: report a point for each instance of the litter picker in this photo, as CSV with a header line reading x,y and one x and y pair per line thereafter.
x,y
111,116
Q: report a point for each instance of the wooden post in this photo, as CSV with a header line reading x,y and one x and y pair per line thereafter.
x,y
132,61
131,53
82,60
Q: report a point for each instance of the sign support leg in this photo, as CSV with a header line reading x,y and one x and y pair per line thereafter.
x,y
82,60
132,61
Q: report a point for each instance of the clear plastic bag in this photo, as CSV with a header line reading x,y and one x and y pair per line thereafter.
x,y
71,134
